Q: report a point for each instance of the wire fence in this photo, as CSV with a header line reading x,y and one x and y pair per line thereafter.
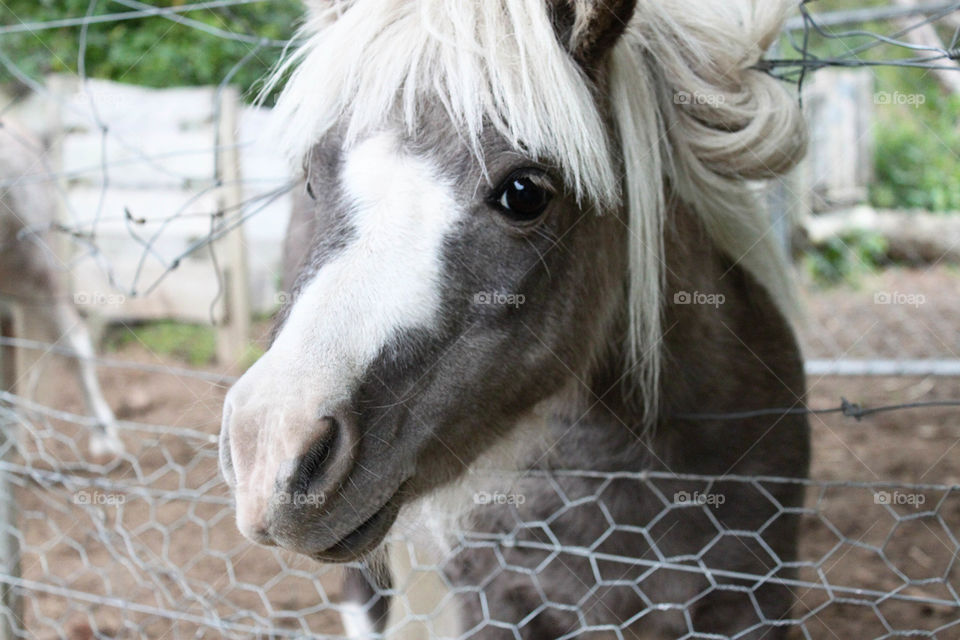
x,y
144,545
921,56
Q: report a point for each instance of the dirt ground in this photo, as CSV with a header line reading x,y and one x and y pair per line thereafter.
x,y
158,534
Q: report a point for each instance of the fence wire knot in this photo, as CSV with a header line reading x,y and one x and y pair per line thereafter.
x,y
851,409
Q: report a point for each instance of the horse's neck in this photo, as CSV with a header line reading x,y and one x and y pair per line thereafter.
x,y
738,353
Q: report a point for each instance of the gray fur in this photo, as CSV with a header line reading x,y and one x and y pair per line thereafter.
x,y
466,386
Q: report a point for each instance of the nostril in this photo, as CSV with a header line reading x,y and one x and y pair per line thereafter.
x,y
312,464
315,473
326,463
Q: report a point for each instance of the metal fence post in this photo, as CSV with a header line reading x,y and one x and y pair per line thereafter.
x,y
10,612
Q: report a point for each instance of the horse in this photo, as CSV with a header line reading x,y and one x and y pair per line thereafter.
x,y
530,250
32,276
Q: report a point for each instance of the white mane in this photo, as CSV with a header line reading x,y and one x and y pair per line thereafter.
x,y
686,104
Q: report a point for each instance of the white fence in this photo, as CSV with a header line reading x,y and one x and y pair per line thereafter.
x,y
146,177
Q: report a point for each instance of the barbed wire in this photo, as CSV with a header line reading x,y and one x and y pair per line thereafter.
x,y
811,25
846,408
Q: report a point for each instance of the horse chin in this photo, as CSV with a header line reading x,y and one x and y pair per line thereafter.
x,y
364,538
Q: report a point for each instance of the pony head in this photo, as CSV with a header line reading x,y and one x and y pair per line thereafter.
x,y
482,243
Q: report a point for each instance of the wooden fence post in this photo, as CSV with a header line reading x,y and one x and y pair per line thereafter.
x,y
234,331
839,106
10,611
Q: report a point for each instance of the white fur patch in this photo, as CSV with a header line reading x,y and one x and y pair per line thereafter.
x,y
431,521
356,622
426,530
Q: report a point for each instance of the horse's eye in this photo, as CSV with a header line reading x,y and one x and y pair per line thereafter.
x,y
521,198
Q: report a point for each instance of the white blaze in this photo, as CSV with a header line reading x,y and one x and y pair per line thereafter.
x,y
387,279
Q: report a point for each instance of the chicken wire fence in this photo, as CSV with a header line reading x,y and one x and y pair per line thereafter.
x,y
145,545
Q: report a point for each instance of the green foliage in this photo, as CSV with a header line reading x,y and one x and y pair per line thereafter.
x,y
845,258
918,154
917,141
194,344
152,51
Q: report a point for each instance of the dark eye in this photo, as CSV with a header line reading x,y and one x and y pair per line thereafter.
x,y
522,197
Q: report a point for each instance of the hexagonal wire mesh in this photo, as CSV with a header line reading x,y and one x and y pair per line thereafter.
x,y
145,545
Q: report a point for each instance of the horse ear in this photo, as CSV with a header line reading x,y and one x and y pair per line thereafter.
x,y
590,28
